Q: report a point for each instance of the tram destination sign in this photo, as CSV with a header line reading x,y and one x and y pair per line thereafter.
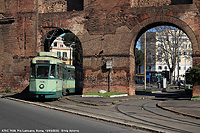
x,y
43,61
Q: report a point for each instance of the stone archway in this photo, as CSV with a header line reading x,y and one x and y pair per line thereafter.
x,y
149,23
170,21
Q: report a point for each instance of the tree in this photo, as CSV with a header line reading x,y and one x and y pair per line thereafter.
x,y
70,38
170,46
139,59
193,76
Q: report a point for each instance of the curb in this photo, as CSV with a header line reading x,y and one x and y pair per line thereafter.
x,y
103,118
122,95
108,104
195,99
91,96
175,111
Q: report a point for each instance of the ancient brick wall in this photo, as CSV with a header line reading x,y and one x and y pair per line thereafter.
x,y
196,91
17,44
52,6
103,22
106,31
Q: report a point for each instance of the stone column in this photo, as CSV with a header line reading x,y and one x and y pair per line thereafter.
x,y
100,48
96,74
196,61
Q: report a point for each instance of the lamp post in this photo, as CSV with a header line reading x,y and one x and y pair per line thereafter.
x,y
145,36
70,46
178,63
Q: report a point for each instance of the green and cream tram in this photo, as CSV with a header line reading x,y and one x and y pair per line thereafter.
x,y
50,77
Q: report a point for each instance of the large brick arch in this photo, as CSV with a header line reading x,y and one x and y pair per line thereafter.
x,y
149,23
49,36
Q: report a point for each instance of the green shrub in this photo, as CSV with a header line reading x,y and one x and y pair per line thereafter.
x,y
8,90
194,75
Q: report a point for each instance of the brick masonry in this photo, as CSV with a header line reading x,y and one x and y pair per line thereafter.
x,y
112,27
196,91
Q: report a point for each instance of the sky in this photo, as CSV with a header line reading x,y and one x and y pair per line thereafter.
x,y
63,34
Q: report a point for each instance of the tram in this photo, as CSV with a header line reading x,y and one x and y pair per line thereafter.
x,y
50,77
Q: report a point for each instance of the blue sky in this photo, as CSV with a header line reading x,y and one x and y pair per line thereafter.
x,y
63,34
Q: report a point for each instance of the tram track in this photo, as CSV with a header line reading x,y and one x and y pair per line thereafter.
x,y
164,116
158,117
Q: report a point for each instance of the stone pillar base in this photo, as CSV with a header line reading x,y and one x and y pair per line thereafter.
x,y
196,91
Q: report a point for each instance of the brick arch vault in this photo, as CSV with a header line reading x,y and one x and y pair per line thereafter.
x,y
151,22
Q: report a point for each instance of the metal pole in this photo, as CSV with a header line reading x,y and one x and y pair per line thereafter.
x,y
145,73
73,44
178,63
70,55
149,80
109,78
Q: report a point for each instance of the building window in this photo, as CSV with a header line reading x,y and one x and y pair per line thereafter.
x,y
185,45
55,44
59,54
185,39
76,5
160,67
160,59
165,67
149,67
65,54
177,2
61,45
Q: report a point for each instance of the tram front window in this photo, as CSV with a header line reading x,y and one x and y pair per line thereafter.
x,y
32,70
42,71
52,72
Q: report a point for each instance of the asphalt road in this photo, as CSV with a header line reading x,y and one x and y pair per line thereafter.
x,y
144,112
21,117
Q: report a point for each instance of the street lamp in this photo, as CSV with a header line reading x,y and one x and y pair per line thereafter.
x,y
70,46
178,63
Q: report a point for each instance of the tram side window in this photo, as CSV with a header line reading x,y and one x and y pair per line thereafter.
x,y
64,73
70,74
59,72
52,74
42,71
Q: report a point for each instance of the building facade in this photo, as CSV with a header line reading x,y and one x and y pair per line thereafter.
x,y
63,52
155,58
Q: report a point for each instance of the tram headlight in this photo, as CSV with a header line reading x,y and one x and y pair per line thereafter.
x,y
41,86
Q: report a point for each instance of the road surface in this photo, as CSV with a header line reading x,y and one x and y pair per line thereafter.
x,y
144,112
21,117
